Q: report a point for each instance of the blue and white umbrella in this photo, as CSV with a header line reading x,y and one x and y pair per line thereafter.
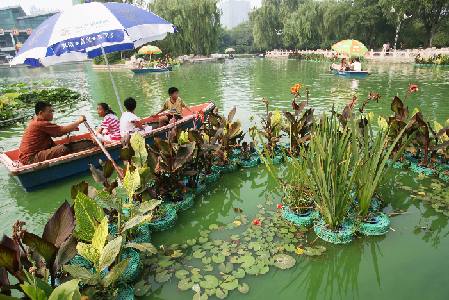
x,y
85,31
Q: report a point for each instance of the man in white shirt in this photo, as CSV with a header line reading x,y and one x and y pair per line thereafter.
x,y
357,65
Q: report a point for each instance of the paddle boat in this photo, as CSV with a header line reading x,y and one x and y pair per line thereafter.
x,y
34,176
152,70
335,68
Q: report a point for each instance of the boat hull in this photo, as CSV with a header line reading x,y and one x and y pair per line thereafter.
x,y
39,175
151,70
351,73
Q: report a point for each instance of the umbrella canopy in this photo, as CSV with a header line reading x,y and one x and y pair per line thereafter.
x,y
350,48
229,50
83,31
150,50
89,30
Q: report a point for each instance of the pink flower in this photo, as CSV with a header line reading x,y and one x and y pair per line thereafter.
x,y
280,206
257,222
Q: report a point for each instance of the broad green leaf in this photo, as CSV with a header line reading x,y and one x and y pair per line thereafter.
x,y
131,182
115,273
230,283
244,288
218,259
46,249
88,252
181,274
136,221
81,273
109,253
88,215
137,142
150,205
185,284
60,226
221,293
143,247
33,292
67,291
100,235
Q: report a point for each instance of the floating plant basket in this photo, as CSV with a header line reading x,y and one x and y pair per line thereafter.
x,y
228,168
277,159
343,235
421,170
444,177
375,205
253,161
186,203
125,293
213,177
302,220
166,222
143,234
376,225
132,271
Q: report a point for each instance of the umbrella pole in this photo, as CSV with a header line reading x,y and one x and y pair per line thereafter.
x,y
112,79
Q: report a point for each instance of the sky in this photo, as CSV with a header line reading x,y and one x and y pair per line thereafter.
x,y
52,5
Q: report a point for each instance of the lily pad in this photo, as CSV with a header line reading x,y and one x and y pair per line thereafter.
x,y
162,277
226,267
181,274
213,227
230,283
221,293
314,251
218,259
141,288
199,254
206,260
202,239
243,288
283,261
191,242
209,282
239,273
185,284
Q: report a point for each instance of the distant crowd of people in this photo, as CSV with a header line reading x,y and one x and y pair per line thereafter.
x,y
37,143
140,63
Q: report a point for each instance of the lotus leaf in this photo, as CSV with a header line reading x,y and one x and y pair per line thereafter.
x,y
230,283
283,261
209,282
162,276
226,267
314,251
141,288
239,273
243,288
218,259
181,274
199,254
247,261
221,293
206,260
185,284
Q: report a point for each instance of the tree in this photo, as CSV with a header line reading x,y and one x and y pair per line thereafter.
x,y
432,13
267,25
197,23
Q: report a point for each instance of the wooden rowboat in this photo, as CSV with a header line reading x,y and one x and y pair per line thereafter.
x,y
151,70
34,176
352,73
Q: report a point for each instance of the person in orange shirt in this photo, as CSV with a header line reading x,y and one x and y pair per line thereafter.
x,y
37,144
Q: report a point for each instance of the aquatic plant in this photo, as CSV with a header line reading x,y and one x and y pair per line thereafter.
x,y
298,126
33,260
332,168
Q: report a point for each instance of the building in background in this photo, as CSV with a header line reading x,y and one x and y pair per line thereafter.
x,y
15,27
234,12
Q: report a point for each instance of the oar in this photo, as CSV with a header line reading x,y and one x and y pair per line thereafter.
x,y
103,148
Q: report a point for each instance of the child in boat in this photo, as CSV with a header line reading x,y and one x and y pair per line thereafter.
x,y
37,144
109,129
174,106
129,122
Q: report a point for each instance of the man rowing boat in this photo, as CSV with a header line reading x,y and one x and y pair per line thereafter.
x,y
37,144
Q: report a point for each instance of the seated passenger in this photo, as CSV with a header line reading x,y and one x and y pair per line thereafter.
x,y
173,105
129,122
344,65
109,129
37,144
357,65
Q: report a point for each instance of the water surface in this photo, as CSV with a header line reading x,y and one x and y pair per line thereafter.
x,y
404,264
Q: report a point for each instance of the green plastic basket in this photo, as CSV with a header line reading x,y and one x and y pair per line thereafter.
x,y
379,226
303,220
342,236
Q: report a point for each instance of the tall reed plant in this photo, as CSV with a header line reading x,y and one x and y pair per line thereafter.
x,y
332,169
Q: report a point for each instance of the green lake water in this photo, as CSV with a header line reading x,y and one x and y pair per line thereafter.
x,y
404,264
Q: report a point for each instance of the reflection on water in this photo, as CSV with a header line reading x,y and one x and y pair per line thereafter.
x,y
396,266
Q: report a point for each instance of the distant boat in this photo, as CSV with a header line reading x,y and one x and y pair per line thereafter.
x,y
36,175
151,70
